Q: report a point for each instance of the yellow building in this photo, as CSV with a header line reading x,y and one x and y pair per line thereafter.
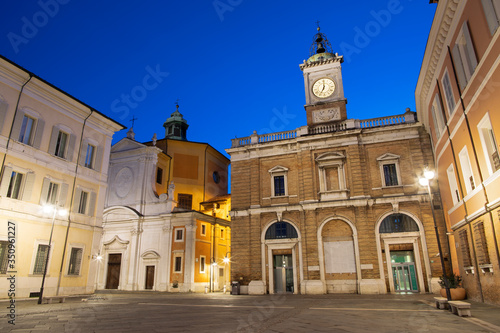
x,y
166,222
54,152
457,100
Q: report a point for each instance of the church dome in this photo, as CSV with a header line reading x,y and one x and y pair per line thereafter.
x,y
176,126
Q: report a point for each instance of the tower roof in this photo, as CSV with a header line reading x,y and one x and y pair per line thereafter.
x,y
321,49
176,126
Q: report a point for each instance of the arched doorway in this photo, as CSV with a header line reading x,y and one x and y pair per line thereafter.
x,y
281,239
400,236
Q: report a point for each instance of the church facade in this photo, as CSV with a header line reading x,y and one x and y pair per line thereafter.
x,y
166,223
334,206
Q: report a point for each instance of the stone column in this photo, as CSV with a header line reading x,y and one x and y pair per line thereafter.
x,y
165,256
189,257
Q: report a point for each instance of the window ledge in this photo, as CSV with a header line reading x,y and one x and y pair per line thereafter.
x,y
487,268
469,270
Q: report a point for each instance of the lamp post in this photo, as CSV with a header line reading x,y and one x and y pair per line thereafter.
x,y
213,263
425,181
226,261
55,211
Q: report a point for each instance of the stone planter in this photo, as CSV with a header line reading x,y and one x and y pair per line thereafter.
x,y
456,293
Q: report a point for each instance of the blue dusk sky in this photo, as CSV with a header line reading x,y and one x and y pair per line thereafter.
x,y
233,64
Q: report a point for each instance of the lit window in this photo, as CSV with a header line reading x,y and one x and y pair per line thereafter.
x,y
448,93
178,264
90,156
466,170
61,144
492,12
75,261
15,184
4,249
52,193
41,258
464,56
279,181
27,130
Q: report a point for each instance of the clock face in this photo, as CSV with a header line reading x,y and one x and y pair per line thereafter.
x,y
323,87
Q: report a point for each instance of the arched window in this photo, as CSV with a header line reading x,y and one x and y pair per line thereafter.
x,y
398,223
281,230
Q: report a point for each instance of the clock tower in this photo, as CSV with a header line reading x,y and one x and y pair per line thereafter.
x,y
325,102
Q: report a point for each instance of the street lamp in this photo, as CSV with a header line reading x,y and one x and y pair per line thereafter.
x,y
425,181
226,261
62,212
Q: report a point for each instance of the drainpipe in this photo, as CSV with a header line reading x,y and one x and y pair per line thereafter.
x,y
71,202
12,124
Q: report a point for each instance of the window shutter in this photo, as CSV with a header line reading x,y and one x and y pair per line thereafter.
x,y
39,132
457,60
491,16
28,186
3,112
91,207
470,48
71,147
53,140
4,186
76,202
16,129
63,195
83,152
45,191
98,158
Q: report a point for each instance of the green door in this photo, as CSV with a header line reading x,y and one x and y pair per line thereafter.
x,y
403,271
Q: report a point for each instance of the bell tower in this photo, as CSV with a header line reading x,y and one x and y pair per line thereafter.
x,y
325,101
176,126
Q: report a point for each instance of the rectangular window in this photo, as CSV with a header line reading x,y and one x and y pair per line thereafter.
x,y
16,181
455,195
483,256
492,12
390,175
448,93
159,175
464,56
90,156
185,201
466,170
62,140
464,247
279,186
489,144
27,130
203,229
52,193
4,249
41,259
82,206
222,233
437,116
202,264
179,235
75,261
178,265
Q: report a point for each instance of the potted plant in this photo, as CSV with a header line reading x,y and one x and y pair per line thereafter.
x,y
175,286
455,285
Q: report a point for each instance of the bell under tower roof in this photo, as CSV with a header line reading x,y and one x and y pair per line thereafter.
x,y
320,49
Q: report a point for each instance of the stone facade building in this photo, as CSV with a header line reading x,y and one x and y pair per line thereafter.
x,y
457,101
334,206
166,219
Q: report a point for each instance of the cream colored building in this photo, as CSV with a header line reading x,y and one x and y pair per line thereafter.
x,y
334,206
54,150
458,102
166,219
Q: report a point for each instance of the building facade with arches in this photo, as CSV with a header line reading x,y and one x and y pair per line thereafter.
x,y
334,206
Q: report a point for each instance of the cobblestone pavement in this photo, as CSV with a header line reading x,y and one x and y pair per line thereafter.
x,y
163,312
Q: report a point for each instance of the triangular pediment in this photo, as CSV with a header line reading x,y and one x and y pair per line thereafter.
x,y
278,168
329,157
388,157
126,144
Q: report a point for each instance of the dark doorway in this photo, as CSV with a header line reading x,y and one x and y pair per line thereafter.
x,y
150,277
114,264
